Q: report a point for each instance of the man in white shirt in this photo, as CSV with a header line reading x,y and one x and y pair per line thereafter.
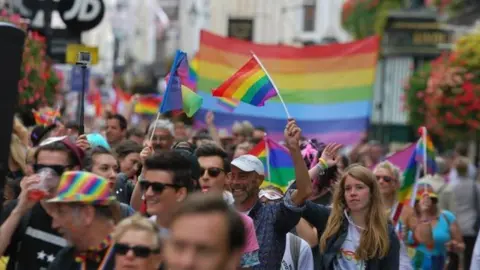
x,y
298,254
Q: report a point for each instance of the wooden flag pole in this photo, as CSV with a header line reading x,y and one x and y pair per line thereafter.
x,y
424,138
273,83
154,126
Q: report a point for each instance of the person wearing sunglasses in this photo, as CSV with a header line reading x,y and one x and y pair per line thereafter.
x,y
166,182
137,244
23,219
388,178
214,169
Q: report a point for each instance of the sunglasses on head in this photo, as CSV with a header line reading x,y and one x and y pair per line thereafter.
x,y
58,169
156,187
212,172
387,179
139,251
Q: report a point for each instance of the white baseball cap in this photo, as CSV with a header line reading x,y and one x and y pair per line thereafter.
x,y
249,163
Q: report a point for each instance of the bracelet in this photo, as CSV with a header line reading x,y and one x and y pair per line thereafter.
x,y
323,163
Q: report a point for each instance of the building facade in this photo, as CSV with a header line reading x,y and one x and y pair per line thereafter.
x,y
288,22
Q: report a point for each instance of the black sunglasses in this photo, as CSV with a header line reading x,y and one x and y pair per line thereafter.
x,y
387,179
156,187
58,169
139,251
212,172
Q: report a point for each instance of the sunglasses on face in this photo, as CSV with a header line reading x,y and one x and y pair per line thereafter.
x,y
138,251
212,172
58,169
387,179
156,187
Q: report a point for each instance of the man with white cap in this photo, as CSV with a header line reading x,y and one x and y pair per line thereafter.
x,y
272,221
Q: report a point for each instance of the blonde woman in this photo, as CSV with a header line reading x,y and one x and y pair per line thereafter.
x,y
137,244
444,229
388,179
17,166
356,231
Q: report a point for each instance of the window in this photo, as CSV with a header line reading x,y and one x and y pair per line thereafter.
x,y
309,15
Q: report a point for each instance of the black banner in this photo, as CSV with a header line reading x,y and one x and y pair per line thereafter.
x,y
415,36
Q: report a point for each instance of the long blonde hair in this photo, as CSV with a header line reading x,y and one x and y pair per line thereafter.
x,y
374,240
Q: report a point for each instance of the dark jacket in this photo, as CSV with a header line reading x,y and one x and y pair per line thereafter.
x,y
317,215
123,188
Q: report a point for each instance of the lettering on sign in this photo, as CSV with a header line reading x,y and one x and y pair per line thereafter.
x,y
415,36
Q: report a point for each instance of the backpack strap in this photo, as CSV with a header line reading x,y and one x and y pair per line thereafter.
x,y
295,244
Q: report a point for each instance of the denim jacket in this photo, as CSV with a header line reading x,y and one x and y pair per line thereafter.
x,y
272,223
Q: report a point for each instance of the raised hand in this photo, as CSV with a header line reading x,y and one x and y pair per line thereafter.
x,y
209,118
330,154
83,143
146,152
292,134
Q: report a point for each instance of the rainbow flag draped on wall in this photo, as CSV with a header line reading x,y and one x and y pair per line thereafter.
x,y
328,89
277,162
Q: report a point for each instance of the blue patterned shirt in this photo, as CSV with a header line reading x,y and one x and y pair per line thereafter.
x,y
272,223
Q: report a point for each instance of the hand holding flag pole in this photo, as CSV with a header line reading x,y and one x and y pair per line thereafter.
x,y
273,83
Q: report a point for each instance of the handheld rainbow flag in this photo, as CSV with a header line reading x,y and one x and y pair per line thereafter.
x,y
426,152
46,118
179,94
277,162
148,104
423,155
228,104
250,84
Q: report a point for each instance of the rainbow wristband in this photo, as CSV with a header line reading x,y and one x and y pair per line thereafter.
x,y
323,163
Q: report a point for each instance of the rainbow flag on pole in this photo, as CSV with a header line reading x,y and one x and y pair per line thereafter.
x,y
250,84
278,163
334,81
148,104
180,94
47,117
415,163
228,104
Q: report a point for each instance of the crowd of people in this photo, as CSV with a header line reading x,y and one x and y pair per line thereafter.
x,y
168,198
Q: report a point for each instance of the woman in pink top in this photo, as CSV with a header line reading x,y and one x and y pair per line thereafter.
x,y
250,252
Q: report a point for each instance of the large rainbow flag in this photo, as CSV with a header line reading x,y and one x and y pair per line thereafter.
x,y
328,89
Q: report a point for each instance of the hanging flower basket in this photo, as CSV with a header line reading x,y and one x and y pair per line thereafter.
x,y
444,95
39,81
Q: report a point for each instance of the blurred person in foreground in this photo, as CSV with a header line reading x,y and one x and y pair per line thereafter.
x,y
214,177
205,234
137,244
85,217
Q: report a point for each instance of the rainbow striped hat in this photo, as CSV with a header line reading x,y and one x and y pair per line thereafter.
x,y
83,187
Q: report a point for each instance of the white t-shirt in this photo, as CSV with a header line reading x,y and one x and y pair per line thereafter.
x,y
305,258
346,257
